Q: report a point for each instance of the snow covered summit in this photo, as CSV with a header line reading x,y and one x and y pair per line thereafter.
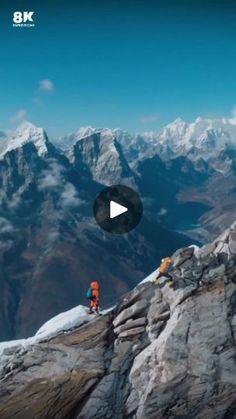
x,y
25,133
201,138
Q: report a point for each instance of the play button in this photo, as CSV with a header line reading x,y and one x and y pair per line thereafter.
x,y
118,209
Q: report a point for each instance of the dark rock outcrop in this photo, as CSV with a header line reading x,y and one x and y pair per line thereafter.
x,y
160,353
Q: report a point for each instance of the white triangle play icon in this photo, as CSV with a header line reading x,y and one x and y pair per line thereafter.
x,y
116,209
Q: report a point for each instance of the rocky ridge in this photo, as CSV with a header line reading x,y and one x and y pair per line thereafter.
x,y
160,353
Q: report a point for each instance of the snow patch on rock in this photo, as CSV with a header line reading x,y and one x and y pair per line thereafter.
x,y
63,322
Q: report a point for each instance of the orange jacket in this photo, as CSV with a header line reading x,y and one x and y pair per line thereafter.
x,y
96,289
165,265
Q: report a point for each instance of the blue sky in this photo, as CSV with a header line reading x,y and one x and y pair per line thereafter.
x,y
136,65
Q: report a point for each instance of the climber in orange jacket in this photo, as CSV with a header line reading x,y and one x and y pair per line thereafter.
x,y
163,270
94,292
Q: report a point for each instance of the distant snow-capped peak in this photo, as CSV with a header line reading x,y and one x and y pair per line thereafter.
x,y
204,135
67,142
25,133
85,132
101,155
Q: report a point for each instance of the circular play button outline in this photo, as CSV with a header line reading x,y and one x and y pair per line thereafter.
x,y
118,209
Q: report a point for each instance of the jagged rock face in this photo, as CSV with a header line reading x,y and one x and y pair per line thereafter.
x,y
160,353
100,156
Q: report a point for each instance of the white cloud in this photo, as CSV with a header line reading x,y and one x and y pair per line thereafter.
x,y
15,200
49,181
5,226
46,85
162,211
69,196
51,178
150,118
19,116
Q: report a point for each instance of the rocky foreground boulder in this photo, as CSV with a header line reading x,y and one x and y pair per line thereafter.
x,y
160,353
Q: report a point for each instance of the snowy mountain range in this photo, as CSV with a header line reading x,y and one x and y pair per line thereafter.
x,y
50,245
196,161
205,138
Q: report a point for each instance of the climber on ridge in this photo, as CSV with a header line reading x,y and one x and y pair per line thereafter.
x,y
93,295
163,271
